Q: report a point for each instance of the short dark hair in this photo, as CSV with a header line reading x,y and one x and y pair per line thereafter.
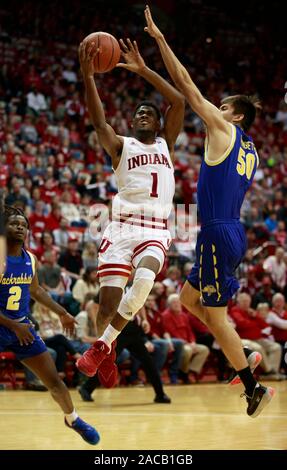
x,y
150,104
11,211
243,104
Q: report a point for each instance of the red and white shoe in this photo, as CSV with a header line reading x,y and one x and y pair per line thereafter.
x,y
91,360
108,371
253,360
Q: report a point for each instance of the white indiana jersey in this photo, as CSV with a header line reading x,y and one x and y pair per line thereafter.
x,y
145,179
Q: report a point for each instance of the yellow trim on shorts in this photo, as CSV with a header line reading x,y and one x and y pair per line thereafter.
x,y
216,273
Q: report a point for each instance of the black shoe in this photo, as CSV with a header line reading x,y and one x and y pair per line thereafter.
x,y
162,399
184,376
260,398
86,396
36,387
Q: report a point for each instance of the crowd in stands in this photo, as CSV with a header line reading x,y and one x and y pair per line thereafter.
x,y
52,166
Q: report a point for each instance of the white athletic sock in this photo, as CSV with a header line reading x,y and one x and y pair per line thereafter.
x,y
109,335
71,417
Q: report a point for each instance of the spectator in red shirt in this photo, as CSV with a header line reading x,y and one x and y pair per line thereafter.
x,y
54,218
279,308
163,340
38,221
250,326
176,323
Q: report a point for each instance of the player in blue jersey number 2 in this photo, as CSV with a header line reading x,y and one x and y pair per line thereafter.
x,y
226,173
18,283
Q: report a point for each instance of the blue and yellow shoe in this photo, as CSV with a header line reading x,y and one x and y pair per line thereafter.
x,y
88,433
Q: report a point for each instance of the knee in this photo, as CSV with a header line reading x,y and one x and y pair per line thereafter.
x,y
177,344
136,296
56,386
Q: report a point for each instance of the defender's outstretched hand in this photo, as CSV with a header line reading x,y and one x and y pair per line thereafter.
x,y
87,53
151,27
68,323
134,61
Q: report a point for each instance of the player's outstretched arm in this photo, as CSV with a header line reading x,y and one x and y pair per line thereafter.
x,y
111,142
41,296
209,113
175,112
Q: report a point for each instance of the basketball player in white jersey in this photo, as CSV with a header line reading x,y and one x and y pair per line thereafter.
x,y
138,236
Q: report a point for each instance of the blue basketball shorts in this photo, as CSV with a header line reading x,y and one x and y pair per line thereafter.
x,y
10,342
219,250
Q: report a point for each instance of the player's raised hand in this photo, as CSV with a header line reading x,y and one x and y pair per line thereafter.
x,y
68,323
130,52
151,27
87,53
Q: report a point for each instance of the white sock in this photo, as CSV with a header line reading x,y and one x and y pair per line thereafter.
x,y
71,417
109,335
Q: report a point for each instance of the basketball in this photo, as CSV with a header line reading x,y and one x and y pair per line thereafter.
x,y
109,51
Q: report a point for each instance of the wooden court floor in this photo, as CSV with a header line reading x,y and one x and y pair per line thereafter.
x,y
203,416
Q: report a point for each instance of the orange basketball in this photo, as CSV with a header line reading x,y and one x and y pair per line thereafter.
x,y
109,51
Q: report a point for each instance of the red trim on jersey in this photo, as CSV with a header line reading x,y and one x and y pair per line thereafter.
x,y
107,266
142,223
114,273
144,217
150,244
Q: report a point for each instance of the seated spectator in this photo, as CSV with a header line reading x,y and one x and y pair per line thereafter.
x,y
36,101
87,285
265,292
28,131
90,255
51,331
69,210
47,244
54,218
38,220
250,326
278,319
54,281
173,278
71,259
158,291
176,323
62,234
162,341
276,267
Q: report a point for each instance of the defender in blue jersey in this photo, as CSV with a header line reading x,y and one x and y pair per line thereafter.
x,y
228,168
18,283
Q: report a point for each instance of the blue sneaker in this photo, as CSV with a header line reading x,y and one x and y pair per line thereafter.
x,y
88,433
